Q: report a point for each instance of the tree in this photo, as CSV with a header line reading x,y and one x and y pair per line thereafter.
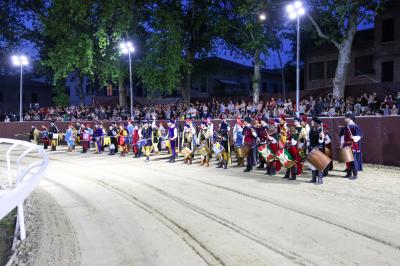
x,y
336,21
247,36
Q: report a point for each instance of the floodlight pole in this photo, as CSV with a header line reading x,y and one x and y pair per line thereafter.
x,y
298,68
21,119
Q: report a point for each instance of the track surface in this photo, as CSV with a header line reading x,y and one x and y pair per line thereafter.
x,y
123,211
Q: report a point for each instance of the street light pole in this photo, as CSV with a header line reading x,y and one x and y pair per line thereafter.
x,y
128,48
298,69
130,83
21,119
295,11
20,61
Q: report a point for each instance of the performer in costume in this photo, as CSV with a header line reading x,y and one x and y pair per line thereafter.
x,y
282,130
112,134
262,133
45,137
172,137
135,139
122,134
238,141
34,135
53,136
272,142
317,140
189,133
147,134
328,149
70,137
85,138
223,135
250,137
98,136
203,140
155,137
350,136
129,129
296,139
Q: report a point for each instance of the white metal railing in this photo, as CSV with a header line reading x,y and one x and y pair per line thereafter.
x,y
22,179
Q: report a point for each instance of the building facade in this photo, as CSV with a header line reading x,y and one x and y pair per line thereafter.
x,y
374,61
218,77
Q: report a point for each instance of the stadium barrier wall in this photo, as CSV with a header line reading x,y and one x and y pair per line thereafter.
x,y
381,142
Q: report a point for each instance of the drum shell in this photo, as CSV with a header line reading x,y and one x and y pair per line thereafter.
x,y
283,154
245,150
204,150
345,155
318,159
186,152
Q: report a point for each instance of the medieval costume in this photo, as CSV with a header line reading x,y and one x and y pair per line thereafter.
x,y
295,140
122,134
53,136
250,137
350,136
238,141
203,140
135,141
34,135
112,134
98,136
317,140
147,134
273,138
188,140
70,137
262,133
172,137
85,138
45,137
223,137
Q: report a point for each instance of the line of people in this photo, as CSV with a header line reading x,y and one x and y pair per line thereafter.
x,y
274,144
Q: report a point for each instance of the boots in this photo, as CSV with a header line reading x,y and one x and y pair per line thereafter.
x,y
207,162
248,168
261,166
286,176
355,173
293,173
313,177
348,173
203,161
190,160
225,165
185,161
318,176
220,164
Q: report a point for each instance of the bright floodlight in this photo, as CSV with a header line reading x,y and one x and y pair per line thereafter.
x,y
298,4
19,60
127,47
263,17
295,10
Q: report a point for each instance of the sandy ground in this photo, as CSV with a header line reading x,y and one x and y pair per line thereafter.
x,y
103,210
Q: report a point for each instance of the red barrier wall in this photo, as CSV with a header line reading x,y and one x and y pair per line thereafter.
x,y
381,142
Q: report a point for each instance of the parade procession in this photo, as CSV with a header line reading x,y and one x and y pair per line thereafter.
x,y
276,145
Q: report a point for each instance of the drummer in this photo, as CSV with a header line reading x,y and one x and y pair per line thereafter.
x,y
223,137
328,149
272,142
262,133
296,140
188,140
317,140
172,136
238,141
203,138
53,135
250,136
350,136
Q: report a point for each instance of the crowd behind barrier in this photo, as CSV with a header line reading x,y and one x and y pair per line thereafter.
x,y
218,108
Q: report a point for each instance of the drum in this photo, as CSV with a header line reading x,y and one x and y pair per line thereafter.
x,y
285,158
266,153
107,141
345,155
217,148
328,152
245,150
186,152
204,150
318,159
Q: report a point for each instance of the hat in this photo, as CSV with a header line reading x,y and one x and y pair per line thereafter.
x,y
317,120
297,119
283,117
276,120
271,122
248,120
204,123
172,121
265,119
326,127
305,118
351,116
224,125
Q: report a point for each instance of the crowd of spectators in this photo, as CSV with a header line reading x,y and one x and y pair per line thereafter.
x,y
218,108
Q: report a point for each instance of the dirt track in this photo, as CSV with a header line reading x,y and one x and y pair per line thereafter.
x,y
103,210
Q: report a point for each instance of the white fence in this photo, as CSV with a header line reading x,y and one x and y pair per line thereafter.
x,y
25,165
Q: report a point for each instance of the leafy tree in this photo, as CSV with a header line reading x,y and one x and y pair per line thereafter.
x,y
247,36
336,21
